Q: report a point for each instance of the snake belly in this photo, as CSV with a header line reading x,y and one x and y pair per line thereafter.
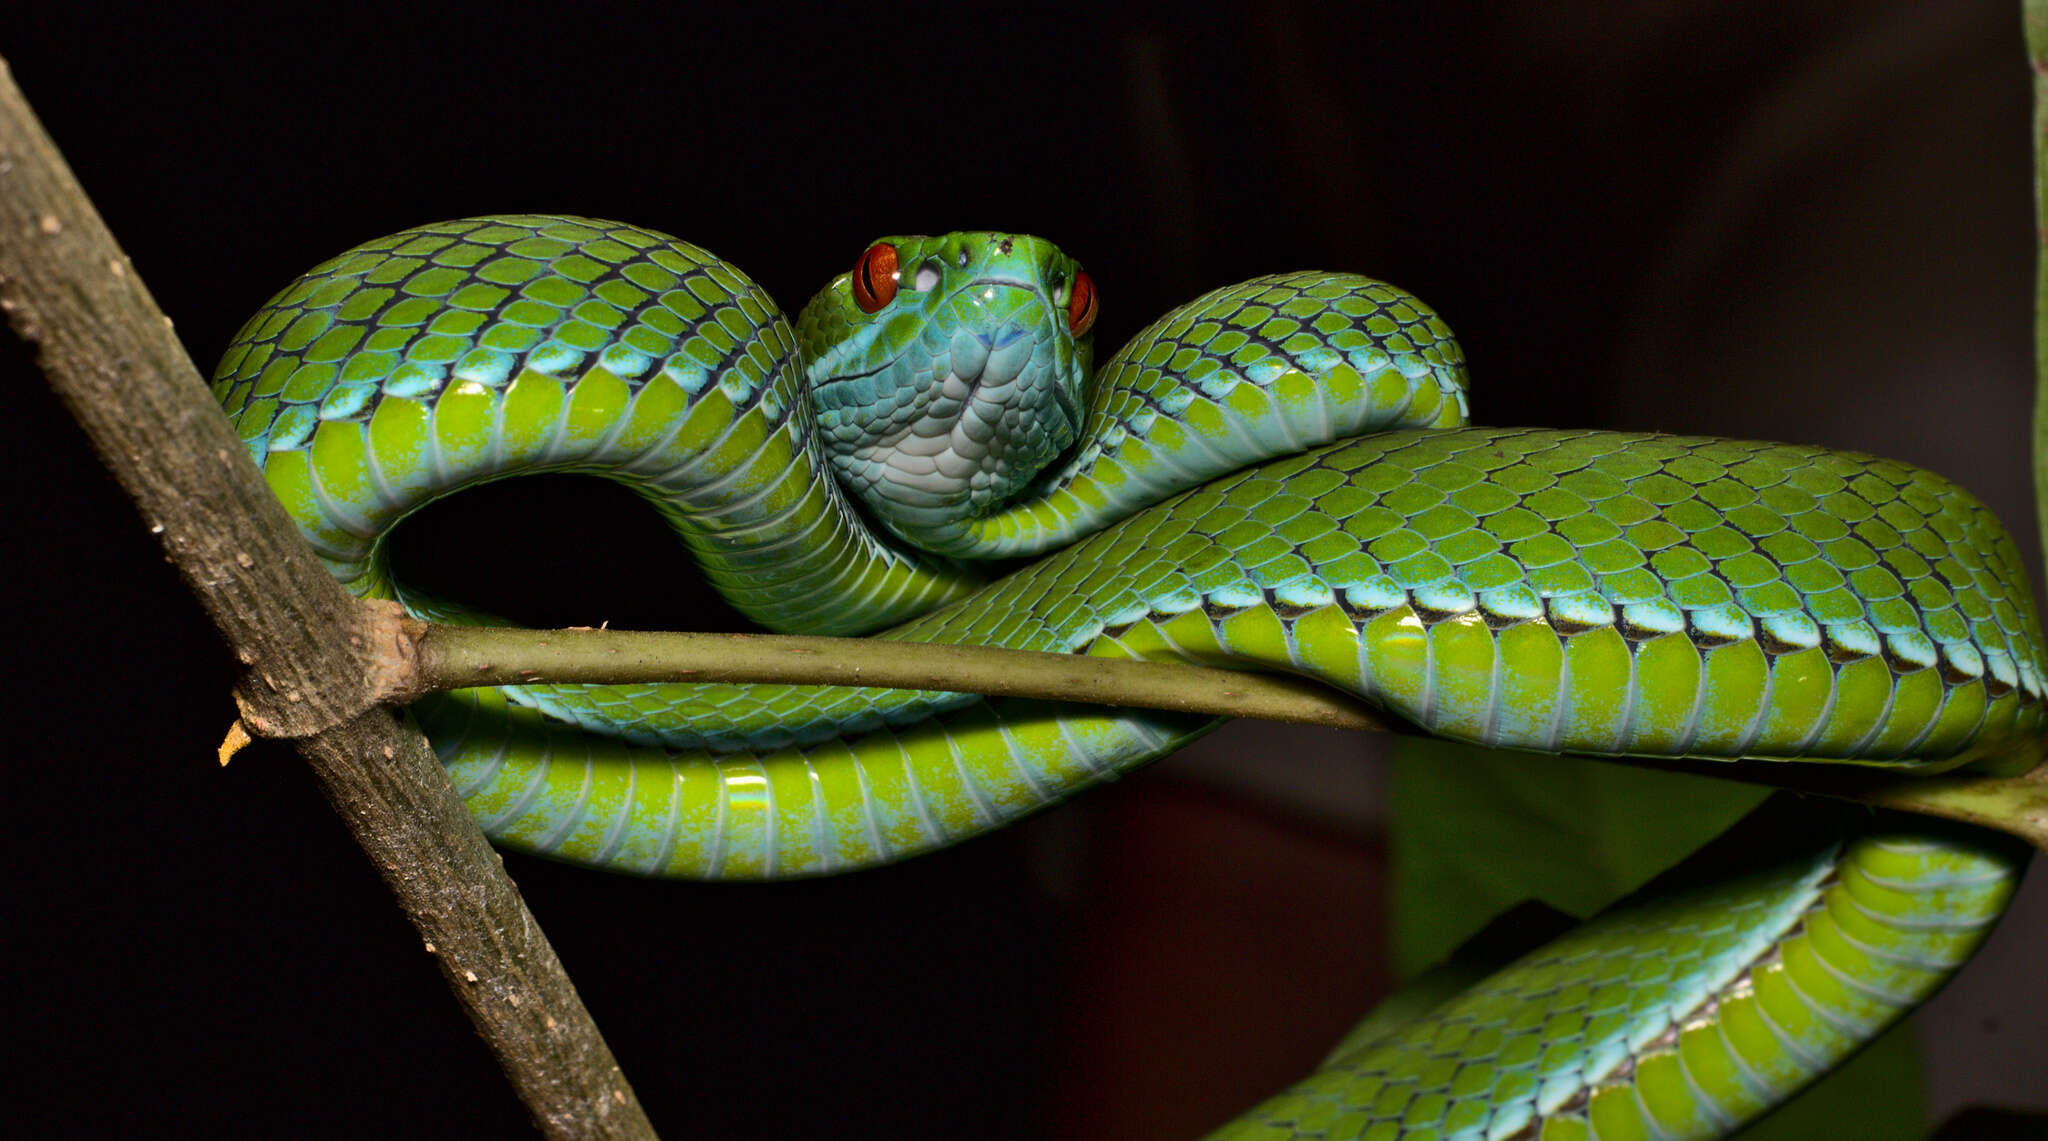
x,y
1278,474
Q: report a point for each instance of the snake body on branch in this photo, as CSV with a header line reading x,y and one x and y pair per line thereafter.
x,y
1278,474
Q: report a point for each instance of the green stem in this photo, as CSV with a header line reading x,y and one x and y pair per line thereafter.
x,y
456,657
2016,804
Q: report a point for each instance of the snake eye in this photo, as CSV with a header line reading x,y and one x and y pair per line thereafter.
x,y
1081,303
874,277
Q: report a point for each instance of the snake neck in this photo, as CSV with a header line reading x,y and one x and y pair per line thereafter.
x,y
953,409
453,354
1264,369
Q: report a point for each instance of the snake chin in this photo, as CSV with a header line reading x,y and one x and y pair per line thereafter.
x,y
957,423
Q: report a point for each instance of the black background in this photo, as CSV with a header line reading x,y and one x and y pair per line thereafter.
x,y
1720,218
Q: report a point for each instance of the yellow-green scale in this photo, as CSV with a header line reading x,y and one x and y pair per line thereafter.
x,y
543,360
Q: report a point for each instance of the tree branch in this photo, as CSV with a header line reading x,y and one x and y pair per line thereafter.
x,y
313,658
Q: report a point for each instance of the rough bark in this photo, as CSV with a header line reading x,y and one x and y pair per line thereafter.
x,y
311,653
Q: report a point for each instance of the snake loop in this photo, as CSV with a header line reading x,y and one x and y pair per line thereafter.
x,y
1278,474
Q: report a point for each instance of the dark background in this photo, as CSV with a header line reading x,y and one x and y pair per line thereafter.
x,y
1719,218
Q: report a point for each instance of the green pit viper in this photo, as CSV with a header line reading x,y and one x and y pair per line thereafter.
x,y
1278,475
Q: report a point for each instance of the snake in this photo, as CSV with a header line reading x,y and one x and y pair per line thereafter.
x,y
1278,475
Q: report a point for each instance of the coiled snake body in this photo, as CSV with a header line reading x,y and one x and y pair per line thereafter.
x,y
1277,473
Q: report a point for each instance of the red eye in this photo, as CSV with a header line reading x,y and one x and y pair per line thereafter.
x,y
1081,304
874,277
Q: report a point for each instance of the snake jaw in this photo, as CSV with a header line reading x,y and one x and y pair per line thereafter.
x,y
947,401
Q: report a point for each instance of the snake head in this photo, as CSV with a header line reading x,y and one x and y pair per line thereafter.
x,y
947,372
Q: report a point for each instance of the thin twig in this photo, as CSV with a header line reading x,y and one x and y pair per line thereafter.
x,y
2017,804
454,657
312,653
457,657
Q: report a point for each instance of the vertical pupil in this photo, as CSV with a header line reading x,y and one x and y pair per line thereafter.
x,y
1081,303
874,277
